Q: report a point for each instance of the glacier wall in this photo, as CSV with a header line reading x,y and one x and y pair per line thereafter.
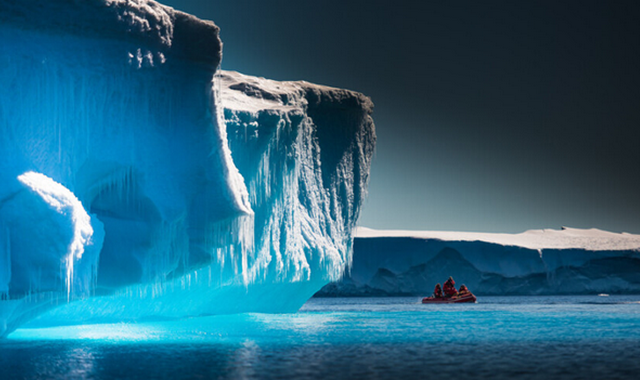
x,y
137,183
543,262
314,141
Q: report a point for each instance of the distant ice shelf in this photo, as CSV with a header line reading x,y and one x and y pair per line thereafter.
x,y
138,181
536,262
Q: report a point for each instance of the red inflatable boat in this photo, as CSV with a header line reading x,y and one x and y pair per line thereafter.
x,y
469,297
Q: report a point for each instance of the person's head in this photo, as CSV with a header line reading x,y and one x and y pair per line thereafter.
x,y
463,287
437,285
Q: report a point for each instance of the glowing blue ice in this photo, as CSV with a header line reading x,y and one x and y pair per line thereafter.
x,y
115,107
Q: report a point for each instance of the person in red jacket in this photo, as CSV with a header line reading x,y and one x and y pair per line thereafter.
x,y
437,292
450,288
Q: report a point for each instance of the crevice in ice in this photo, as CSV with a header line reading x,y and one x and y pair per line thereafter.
x,y
140,244
238,193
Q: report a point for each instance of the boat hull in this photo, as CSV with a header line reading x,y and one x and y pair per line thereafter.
x,y
467,298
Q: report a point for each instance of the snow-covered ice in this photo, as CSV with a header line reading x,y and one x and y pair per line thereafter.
x,y
138,181
565,261
565,238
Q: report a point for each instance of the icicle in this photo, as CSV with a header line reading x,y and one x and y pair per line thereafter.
x,y
5,264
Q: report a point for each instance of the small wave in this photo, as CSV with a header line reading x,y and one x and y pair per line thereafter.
x,y
609,303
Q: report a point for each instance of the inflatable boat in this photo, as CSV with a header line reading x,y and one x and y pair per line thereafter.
x,y
468,297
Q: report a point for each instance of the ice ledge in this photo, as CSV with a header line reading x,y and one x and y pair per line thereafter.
x,y
252,94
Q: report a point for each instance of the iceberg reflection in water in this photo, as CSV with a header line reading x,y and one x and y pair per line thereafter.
x,y
500,337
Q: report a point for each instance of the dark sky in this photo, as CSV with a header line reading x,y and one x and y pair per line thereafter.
x,y
491,116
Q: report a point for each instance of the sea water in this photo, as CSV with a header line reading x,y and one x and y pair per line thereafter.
x,y
349,338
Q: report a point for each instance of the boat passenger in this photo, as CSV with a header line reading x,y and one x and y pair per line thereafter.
x,y
450,288
437,292
463,290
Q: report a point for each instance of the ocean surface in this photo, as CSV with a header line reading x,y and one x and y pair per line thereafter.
x,y
572,337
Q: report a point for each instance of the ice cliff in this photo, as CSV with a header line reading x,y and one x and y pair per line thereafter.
x,y
137,180
566,261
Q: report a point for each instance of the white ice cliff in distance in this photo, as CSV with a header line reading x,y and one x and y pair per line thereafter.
x,y
137,181
566,261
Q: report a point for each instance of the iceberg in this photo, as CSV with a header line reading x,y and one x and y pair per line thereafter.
x,y
140,181
536,262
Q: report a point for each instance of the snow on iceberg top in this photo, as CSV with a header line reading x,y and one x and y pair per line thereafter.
x,y
155,26
252,94
566,238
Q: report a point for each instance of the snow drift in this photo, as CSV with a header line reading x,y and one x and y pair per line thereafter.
x,y
566,261
137,181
